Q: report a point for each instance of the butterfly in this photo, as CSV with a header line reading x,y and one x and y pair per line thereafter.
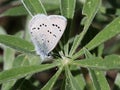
x,y
46,32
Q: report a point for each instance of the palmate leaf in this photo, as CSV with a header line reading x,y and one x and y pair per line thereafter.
x,y
108,32
47,4
70,82
34,7
97,77
14,11
16,43
110,62
89,10
9,56
67,8
21,10
78,76
20,72
52,81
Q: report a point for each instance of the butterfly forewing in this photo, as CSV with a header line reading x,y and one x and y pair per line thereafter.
x,y
37,30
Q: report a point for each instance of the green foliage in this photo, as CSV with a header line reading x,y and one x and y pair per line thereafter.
x,y
16,43
75,61
99,63
34,7
16,11
20,72
90,9
67,8
52,81
97,77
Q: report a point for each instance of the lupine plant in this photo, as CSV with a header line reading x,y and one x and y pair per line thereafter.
x,y
81,58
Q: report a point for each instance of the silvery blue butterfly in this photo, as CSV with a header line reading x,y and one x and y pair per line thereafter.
x,y
46,32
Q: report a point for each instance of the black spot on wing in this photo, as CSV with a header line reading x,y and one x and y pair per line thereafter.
x,y
39,27
57,26
51,33
42,39
43,25
54,35
31,33
53,24
33,28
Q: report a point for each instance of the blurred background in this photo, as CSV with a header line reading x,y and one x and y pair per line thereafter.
x,y
14,18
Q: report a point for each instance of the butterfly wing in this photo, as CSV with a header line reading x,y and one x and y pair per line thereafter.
x,y
46,31
38,26
57,27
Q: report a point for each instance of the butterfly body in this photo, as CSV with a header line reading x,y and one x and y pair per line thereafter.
x,y
46,32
